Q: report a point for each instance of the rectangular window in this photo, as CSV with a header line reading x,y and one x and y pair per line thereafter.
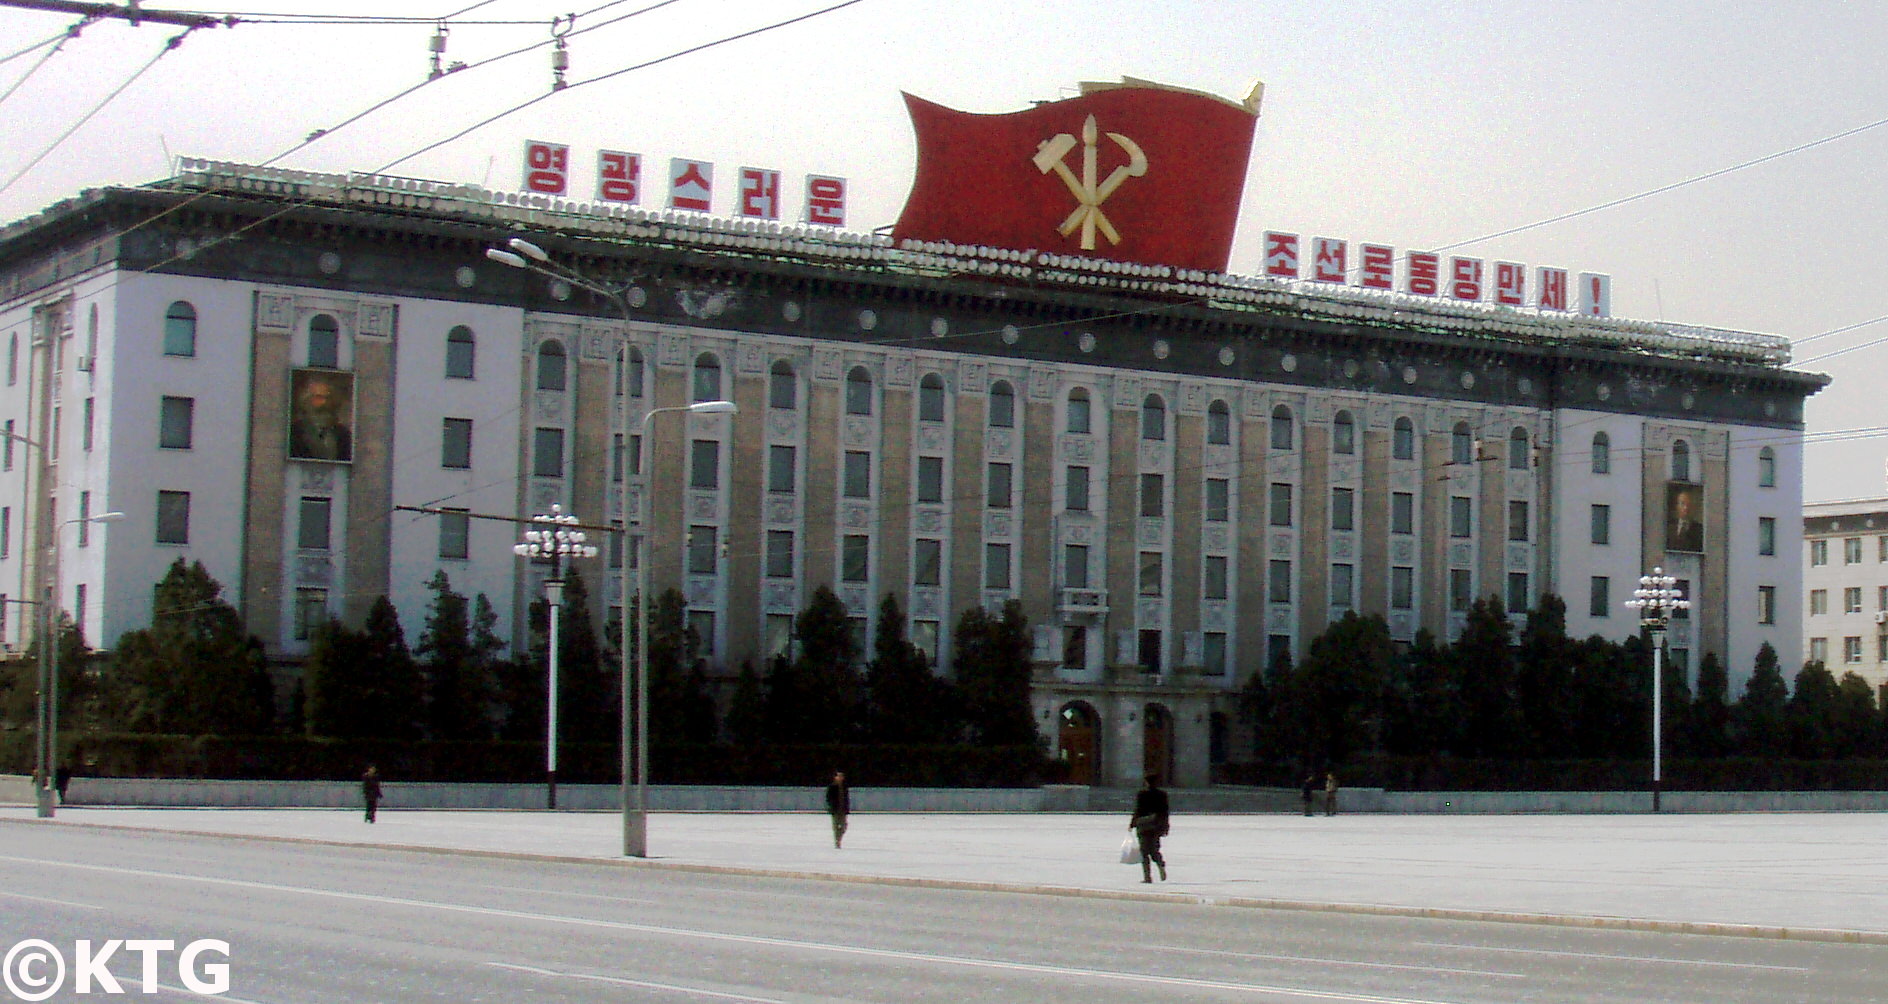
x,y
702,550
1150,651
1683,586
614,552
1075,566
1819,650
1153,495
1461,589
779,635
176,420
85,519
1075,646
635,455
1343,509
312,534
1818,602
996,566
1881,548
311,611
1852,600
616,458
928,567
6,533
1818,549
173,517
780,554
1343,588
1213,653
455,443
704,466
1278,581
85,434
1517,521
78,606
999,486
1402,512
1881,597
6,451
1852,550
1078,489
782,463
1218,500
858,475
1599,602
52,444
455,535
1852,649
547,453
702,622
1767,605
856,557
1461,516
1281,504
1602,524
1766,535
1152,567
1881,645
930,479
1518,598
1402,587
1214,568
924,638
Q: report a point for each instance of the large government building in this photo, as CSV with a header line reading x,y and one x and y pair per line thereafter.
x,y
1179,473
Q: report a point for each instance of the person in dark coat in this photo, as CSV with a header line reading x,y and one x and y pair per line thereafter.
x,y
1330,794
370,790
1310,785
1149,824
838,805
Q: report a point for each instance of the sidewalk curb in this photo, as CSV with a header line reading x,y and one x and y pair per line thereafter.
x,y
1708,929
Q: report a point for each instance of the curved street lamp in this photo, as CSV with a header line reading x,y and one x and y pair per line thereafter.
x,y
1656,599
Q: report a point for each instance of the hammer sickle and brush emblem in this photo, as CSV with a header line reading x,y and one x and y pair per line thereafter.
x,y
1089,195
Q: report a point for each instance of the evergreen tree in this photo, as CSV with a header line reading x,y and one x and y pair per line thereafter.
x,y
1759,715
1711,710
1810,716
1612,698
680,708
1490,706
747,709
815,697
1429,719
193,671
458,682
1675,712
1544,667
363,684
1857,723
909,704
1339,687
587,679
993,671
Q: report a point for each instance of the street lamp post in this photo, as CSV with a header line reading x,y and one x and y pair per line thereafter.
x,y
1655,599
551,537
45,786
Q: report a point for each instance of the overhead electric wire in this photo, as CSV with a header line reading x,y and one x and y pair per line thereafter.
x,y
67,33
61,39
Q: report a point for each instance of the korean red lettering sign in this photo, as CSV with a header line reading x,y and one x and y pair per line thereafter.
x,y
1378,266
1465,278
1281,255
619,177
546,167
760,193
691,184
1552,282
825,200
1596,294
1510,284
1328,260
1425,273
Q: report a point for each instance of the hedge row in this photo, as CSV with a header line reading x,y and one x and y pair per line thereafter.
x,y
283,758
1452,774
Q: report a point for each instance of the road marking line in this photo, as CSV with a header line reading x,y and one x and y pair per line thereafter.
x,y
1616,958
1106,975
55,902
620,981
1342,962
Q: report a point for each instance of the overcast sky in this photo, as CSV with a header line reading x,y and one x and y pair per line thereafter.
x,y
1401,123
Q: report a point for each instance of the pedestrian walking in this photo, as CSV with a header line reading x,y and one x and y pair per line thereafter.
x,y
838,805
1310,785
1330,794
370,790
1149,824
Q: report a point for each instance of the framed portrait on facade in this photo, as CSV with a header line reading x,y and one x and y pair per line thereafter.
x,y
321,415
1684,517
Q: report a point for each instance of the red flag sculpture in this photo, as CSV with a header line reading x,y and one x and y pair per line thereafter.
x,y
1131,172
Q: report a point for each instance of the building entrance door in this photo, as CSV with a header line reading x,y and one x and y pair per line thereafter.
x,y
1157,743
1075,738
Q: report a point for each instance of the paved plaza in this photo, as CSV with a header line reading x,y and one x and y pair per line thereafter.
x,y
1809,875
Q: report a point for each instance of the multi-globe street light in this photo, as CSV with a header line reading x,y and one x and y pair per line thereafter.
x,y
1657,597
551,536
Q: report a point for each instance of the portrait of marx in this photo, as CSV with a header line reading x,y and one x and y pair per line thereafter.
x,y
321,415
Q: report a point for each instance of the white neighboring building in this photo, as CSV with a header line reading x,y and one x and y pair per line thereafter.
x,y
1845,589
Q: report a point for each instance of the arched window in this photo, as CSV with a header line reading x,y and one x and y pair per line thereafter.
x,y
1002,405
783,390
1517,450
1766,468
1153,417
1078,410
551,365
707,377
1282,435
931,398
1681,461
859,391
13,359
180,329
324,342
461,353
1602,453
1461,444
1403,440
1219,423
1343,433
